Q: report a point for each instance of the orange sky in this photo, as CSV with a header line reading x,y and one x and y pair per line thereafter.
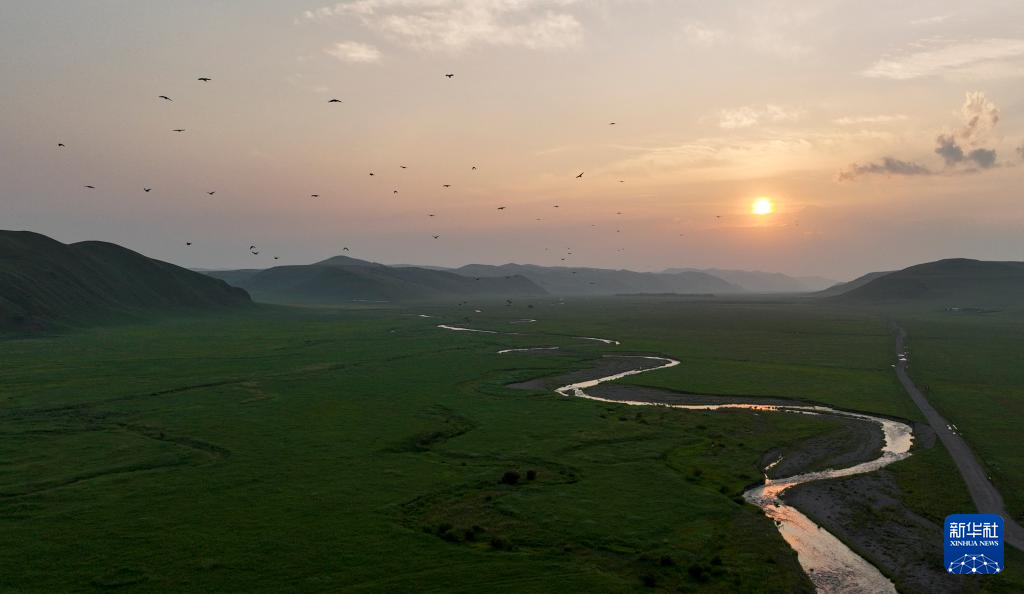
x,y
884,138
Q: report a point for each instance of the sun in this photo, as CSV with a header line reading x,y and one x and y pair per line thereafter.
x,y
762,206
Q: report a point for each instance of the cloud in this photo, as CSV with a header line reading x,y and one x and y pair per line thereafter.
x,y
456,25
932,20
962,146
699,34
872,119
885,166
984,58
353,51
752,115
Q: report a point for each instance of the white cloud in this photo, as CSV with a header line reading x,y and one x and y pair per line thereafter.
x,y
698,33
752,115
932,20
353,51
985,58
871,119
456,25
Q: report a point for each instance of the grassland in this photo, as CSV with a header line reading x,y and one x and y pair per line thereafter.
x,y
320,450
971,367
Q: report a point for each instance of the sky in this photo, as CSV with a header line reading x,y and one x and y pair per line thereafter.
x,y
885,134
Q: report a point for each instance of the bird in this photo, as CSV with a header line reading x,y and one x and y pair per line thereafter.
x,y
611,123
403,166
430,215
394,191
335,101
165,97
622,181
212,193
60,145
556,206
449,75
436,236
580,175
276,258
188,243
147,189
474,168
501,208
91,187
446,185
314,195
344,249
204,78
178,130
371,174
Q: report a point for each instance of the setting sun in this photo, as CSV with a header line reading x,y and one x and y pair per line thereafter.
x,y
763,206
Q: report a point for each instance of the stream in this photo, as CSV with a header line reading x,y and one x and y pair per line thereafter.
x,y
831,565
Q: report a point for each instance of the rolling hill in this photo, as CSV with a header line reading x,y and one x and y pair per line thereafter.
x,y
342,279
756,281
43,282
959,283
601,281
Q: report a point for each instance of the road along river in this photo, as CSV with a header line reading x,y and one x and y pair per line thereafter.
x,y
831,566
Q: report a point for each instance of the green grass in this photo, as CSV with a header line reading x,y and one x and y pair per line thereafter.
x,y
971,367
362,450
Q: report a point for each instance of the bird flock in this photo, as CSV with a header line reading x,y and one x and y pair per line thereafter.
x,y
255,251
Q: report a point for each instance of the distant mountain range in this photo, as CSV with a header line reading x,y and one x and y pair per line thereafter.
x,y
342,279
601,281
764,282
954,283
44,282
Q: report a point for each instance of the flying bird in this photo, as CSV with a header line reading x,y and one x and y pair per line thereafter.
x,y
611,123
335,101
371,174
60,145
403,166
394,191
580,175
314,195
449,75
204,78
501,208
430,215
212,193
446,185
474,168
91,187
436,236
147,189
188,243
276,258
164,97
178,130
344,249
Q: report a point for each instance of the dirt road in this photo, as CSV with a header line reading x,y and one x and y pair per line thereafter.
x,y
986,498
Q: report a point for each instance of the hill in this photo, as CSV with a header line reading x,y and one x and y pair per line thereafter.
x,y
860,281
756,281
600,281
342,279
43,281
960,283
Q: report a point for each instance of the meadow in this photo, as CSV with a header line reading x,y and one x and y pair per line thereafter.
x,y
367,450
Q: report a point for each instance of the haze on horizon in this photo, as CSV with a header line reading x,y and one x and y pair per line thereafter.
x,y
884,135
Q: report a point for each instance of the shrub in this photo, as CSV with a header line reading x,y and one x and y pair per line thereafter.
x,y
666,561
510,477
531,475
649,580
698,572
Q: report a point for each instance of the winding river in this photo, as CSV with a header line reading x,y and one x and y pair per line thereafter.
x,y
831,566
